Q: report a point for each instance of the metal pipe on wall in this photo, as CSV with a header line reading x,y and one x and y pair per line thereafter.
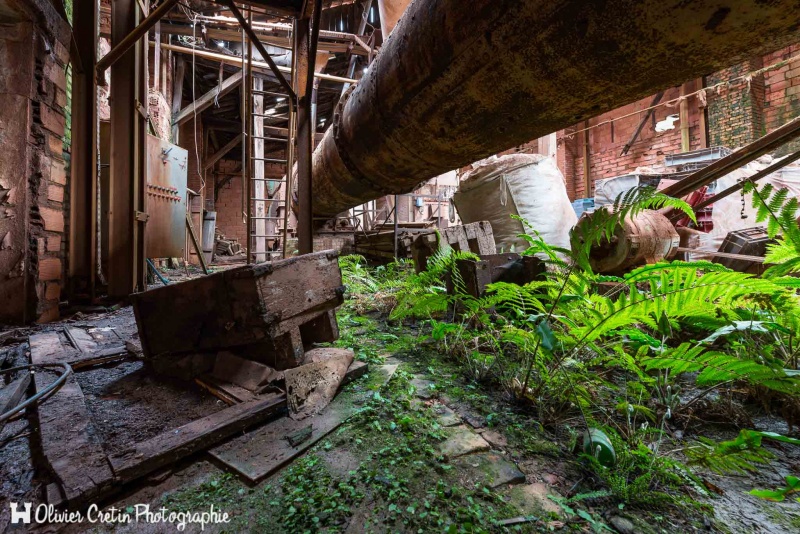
x,y
454,85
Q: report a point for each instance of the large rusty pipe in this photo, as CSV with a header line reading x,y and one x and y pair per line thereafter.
x,y
458,81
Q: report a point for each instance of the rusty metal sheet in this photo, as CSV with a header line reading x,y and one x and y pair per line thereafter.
x,y
165,234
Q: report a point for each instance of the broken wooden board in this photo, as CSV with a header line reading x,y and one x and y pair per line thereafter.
x,y
227,392
261,452
11,394
166,448
76,347
169,447
70,443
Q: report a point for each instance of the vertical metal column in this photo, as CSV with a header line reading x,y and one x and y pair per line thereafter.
x,y
308,37
83,184
127,267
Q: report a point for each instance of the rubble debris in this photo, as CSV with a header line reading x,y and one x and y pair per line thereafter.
x,y
266,313
12,393
226,246
250,375
311,387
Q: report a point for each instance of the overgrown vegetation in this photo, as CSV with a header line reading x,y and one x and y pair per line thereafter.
x,y
637,356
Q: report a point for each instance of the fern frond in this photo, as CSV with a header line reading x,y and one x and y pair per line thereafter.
x,y
717,367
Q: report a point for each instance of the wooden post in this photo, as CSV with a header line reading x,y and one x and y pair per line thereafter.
x,y
587,179
177,94
684,118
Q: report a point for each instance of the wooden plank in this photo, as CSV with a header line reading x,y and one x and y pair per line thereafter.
x,y
68,438
169,447
11,394
85,351
207,99
259,453
221,153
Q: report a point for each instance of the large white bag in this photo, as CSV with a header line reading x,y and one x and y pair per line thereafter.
x,y
528,185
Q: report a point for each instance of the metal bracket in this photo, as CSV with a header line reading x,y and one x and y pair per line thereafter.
x,y
140,216
142,110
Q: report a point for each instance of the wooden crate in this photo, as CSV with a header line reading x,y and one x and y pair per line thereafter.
x,y
267,312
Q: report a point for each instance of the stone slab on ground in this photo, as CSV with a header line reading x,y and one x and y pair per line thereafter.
x,y
425,389
531,499
491,469
495,439
445,416
462,441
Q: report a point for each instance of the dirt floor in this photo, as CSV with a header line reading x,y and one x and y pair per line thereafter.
x,y
425,451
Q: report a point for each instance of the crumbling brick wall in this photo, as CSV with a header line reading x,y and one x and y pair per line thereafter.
x,y
34,51
607,139
782,93
228,203
735,112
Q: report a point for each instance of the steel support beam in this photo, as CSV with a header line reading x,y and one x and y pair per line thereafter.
x,y
205,101
125,43
83,184
127,267
743,156
307,39
263,51
453,85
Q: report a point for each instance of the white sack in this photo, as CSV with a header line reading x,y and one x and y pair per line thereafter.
x,y
528,185
606,191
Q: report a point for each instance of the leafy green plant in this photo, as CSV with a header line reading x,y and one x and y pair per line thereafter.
x,y
739,455
780,494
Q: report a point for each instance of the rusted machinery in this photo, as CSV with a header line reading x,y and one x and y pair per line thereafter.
x,y
454,85
647,237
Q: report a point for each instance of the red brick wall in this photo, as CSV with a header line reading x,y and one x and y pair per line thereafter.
x,y
33,166
738,113
229,203
606,141
782,93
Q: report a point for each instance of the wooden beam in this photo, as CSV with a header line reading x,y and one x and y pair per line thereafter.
x,y
167,448
205,101
65,428
642,122
218,155
684,118
83,185
263,51
177,94
257,65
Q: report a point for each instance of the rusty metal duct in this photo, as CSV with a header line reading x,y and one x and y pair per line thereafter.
x,y
458,81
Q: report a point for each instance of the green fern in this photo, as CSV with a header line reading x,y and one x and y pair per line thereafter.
x,y
779,210
602,225
717,367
